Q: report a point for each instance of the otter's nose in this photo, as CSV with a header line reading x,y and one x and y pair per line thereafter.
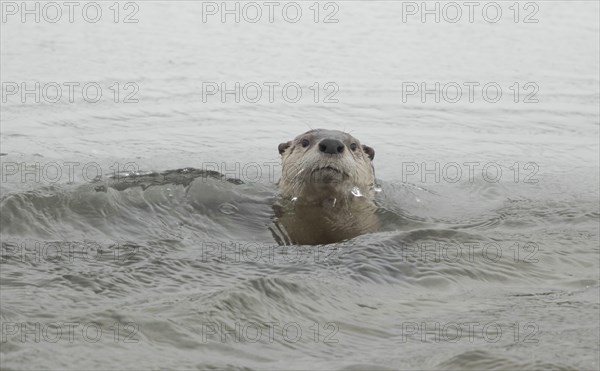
x,y
331,146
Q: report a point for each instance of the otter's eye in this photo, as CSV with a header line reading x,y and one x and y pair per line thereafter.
x,y
305,143
353,146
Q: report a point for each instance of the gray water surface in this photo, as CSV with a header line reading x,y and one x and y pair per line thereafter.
x,y
489,253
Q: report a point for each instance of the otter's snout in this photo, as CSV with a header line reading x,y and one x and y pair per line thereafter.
x,y
331,146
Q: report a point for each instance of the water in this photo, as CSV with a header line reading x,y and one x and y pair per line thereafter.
x,y
180,270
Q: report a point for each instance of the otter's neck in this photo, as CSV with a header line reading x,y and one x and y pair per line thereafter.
x,y
332,203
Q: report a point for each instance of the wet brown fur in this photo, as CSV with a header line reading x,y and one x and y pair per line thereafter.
x,y
319,202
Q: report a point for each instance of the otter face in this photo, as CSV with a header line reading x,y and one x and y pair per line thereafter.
x,y
325,164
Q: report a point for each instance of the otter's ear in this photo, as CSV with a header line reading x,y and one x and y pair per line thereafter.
x,y
369,151
283,146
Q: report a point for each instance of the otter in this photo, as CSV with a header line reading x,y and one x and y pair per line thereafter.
x,y
327,189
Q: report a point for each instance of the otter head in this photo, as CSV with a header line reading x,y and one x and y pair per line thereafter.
x,y
326,164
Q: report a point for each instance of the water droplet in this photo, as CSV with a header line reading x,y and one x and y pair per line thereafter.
x,y
356,192
227,208
377,188
294,199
